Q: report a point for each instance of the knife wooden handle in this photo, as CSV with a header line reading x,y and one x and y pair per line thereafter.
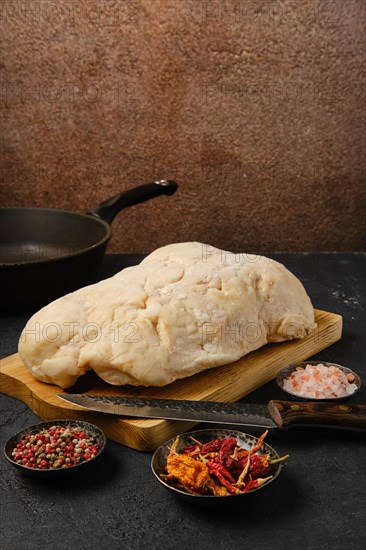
x,y
289,414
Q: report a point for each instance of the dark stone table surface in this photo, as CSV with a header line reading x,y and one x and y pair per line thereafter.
x,y
318,501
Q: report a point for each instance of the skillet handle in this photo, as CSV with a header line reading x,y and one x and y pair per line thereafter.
x,y
109,209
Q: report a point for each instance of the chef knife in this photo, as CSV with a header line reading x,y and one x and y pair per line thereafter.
x,y
277,414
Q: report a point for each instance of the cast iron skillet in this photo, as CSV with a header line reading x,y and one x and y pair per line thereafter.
x,y
45,253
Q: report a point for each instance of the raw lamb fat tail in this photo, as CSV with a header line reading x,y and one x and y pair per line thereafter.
x,y
187,307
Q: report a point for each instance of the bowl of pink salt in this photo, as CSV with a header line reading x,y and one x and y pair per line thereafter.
x,y
318,381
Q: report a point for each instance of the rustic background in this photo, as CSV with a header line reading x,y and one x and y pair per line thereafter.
x,y
257,109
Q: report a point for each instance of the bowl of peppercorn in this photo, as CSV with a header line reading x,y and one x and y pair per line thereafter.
x,y
55,448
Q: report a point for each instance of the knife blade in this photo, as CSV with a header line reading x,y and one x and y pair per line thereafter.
x,y
277,414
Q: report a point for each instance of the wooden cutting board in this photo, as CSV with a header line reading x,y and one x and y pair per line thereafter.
x,y
227,383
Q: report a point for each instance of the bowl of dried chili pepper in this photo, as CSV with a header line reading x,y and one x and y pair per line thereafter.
x,y
210,464
55,448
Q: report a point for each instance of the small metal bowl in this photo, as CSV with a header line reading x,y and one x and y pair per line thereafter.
x,y
89,429
246,441
287,371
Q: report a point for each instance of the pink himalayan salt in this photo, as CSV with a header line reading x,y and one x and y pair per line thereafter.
x,y
320,382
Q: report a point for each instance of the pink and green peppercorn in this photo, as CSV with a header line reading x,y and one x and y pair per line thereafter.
x,y
54,448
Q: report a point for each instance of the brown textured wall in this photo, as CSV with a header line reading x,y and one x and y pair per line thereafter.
x,y
257,109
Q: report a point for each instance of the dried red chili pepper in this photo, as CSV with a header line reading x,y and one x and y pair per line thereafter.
x,y
243,453
190,449
204,448
254,483
244,473
216,467
242,462
227,446
212,446
230,463
258,445
260,465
